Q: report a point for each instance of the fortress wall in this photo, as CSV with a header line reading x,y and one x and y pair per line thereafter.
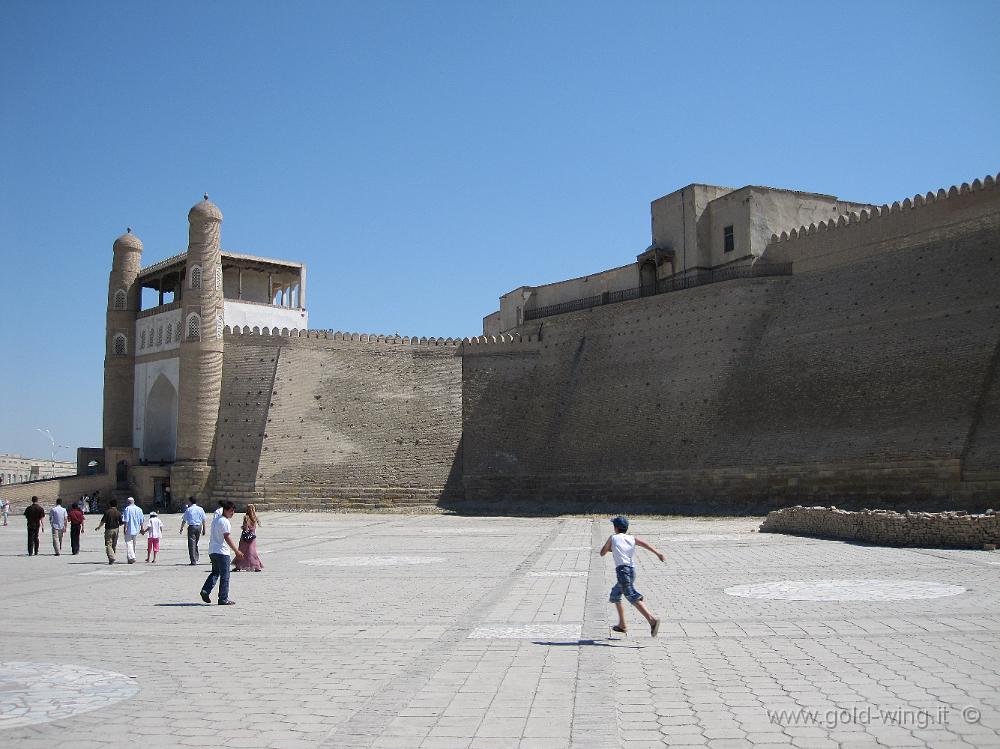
x,y
867,380
617,401
865,384
70,488
934,217
328,418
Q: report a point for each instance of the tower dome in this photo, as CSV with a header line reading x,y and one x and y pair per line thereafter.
x,y
206,210
128,241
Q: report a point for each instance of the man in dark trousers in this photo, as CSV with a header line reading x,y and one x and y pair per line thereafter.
x,y
76,521
111,520
35,515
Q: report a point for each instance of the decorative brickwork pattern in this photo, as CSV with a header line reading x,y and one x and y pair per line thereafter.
x,y
119,358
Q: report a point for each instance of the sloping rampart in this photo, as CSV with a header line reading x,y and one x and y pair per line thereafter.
x,y
332,419
870,383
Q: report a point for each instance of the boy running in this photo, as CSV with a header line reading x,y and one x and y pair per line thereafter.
x,y
622,546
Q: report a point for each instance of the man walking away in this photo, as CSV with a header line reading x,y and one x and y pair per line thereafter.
x,y
194,519
35,515
219,546
111,520
76,521
57,522
132,519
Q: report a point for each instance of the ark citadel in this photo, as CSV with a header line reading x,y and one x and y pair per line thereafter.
x,y
770,347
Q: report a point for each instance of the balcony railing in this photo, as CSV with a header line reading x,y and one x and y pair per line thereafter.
x,y
663,286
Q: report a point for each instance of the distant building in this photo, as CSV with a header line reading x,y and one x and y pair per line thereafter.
x,y
699,233
17,470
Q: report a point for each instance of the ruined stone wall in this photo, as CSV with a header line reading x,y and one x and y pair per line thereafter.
x,y
321,420
867,378
934,529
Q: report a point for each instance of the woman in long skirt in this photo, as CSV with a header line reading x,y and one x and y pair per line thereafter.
x,y
248,543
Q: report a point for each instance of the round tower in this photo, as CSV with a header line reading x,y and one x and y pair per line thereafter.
x,y
119,344
200,352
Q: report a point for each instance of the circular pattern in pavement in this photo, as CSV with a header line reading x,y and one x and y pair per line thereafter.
x,y
845,590
370,561
43,692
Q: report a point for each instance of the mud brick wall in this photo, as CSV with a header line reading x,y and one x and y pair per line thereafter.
x,y
323,421
939,529
621,401
869,382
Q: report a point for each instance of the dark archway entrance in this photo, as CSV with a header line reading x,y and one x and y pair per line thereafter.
x,y
121,475
647,278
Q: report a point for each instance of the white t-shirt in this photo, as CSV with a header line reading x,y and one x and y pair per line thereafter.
x,y
155,528
217,543
57,517
622,548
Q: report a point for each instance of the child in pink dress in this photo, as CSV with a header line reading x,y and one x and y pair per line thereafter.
x,y
154,532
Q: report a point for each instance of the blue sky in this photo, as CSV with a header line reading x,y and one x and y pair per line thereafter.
x,y
423,158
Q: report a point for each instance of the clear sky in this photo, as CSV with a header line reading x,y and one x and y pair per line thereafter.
x,y
423,158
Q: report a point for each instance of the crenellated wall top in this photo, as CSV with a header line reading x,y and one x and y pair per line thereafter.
x,y
856,235
473,344
917,201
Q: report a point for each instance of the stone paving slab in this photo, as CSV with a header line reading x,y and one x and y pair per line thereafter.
x,y
440,631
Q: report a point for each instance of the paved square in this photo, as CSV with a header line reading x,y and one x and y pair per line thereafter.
x,y
439,631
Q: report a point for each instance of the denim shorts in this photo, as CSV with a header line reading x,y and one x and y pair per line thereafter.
x,y
625,585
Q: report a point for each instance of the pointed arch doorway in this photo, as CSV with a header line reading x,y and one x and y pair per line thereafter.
x,y
159,440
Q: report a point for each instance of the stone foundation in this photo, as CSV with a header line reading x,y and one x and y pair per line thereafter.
x,y
888,528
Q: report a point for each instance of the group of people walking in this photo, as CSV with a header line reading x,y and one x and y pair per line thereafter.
x,y
59,519
131,522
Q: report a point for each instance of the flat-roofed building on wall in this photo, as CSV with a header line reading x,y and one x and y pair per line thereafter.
x,y
696,231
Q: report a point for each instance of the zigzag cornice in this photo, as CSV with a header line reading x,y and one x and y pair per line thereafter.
x,y
336,335
879,212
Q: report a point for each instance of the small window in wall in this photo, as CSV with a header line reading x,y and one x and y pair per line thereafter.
x,y
120,345
120,299
159,336
170,330
196,277
728,243
218,278
220,325
142,340
194,327
177,332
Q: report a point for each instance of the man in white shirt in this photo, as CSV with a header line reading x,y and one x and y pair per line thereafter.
x,y
57,521
219,546
132,518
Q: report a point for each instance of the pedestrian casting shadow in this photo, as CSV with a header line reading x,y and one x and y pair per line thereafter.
x,y
574,643
177,605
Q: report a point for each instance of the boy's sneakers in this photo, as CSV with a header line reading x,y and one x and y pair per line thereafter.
x,y
654,628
